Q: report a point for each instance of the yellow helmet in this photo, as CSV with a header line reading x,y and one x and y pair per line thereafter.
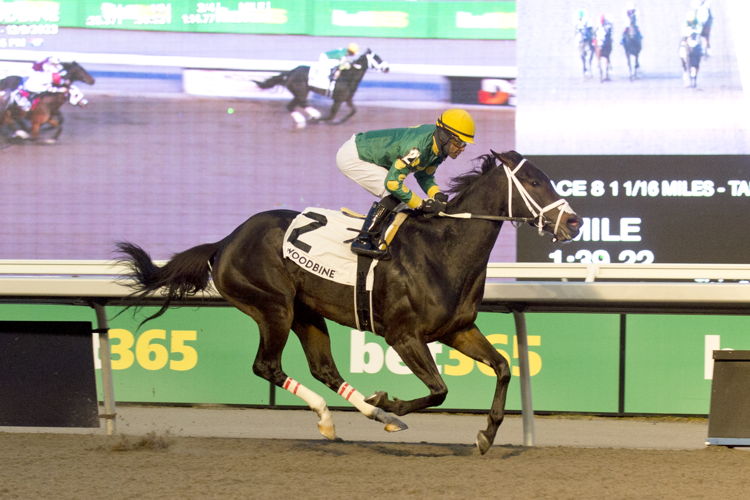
x,y
458,122
353,48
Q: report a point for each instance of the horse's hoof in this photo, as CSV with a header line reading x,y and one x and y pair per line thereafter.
x,y
483,444
395,426
328,431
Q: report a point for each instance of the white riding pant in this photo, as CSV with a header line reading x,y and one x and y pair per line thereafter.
x,y
368,175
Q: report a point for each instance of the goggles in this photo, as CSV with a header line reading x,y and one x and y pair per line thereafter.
x,y
454,140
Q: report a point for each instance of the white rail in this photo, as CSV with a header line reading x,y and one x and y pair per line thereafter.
x,y
235,63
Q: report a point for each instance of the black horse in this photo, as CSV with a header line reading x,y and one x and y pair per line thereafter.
x,y
585,37
28,124
296,81
691,52
632,43
427,292
603,49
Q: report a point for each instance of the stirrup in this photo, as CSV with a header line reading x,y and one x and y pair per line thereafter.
x,y
363,245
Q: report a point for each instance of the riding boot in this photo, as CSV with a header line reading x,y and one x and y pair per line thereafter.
x,y
368,241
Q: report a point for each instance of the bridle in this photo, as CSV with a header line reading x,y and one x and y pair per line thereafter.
x,y
537,210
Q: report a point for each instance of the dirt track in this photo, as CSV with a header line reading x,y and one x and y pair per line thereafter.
x,y
172,173
158,466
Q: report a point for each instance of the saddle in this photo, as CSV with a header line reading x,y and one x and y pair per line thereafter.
x,y
318,240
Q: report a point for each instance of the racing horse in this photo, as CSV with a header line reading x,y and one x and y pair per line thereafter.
x,y
632,43
691,51
46,107
585,36
603,49
296,81
426,292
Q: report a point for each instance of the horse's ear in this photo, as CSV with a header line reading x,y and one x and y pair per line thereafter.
x,y
513,157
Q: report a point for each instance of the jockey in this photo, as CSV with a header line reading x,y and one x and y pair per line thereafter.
x,y
324,73
692,25
582,23
604,27
632,19
705,19
48,76
380,161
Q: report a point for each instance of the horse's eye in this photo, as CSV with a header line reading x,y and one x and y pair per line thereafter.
x,y
535,184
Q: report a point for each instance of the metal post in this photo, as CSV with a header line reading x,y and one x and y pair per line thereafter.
x,y
105,357
527,411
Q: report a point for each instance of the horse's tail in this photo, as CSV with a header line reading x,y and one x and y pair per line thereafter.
x,y
186,273
279,79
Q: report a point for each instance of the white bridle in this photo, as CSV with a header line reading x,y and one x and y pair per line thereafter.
x,y
531,204
374,64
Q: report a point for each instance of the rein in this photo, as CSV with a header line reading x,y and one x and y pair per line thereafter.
x,y
531,204
499,218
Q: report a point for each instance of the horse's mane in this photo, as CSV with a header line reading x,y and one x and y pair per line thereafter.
x,y
461,183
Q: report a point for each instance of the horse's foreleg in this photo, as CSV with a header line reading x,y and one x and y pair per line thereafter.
x,y
473,344
352,110
312,332
35,130
416,355
57,121
332,112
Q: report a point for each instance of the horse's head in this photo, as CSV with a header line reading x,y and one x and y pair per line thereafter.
x,y
532,195
374,61
75,72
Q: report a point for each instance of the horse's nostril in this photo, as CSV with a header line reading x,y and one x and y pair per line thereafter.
x,y
573,223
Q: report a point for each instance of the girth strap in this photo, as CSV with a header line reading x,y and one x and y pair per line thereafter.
x,y
362,297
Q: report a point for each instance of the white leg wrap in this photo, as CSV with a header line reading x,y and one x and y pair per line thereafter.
x,y
299,119
392,424
316,403
357,399
312,112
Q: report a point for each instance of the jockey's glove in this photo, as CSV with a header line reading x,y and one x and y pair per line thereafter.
x,y
432,206
442,197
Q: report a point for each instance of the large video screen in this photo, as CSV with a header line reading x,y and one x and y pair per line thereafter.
x,y
178,145
655,162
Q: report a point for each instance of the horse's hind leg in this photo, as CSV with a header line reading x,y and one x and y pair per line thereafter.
x,y
300,121
274,322
312,331
473,344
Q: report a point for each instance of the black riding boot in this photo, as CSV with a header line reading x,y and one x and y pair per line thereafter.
x,y
368,241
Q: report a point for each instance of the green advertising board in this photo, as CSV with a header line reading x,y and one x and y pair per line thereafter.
x,y
669,363
205,355
493,20
400,19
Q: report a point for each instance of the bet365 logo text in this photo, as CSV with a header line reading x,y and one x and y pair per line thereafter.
x,y
152,350
370,357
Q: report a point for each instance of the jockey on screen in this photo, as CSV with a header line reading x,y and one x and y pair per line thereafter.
x,y
380,161
49,75
632,20
330,64
583,25
604,27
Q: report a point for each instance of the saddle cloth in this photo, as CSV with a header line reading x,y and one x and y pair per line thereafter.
x,y
318,239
